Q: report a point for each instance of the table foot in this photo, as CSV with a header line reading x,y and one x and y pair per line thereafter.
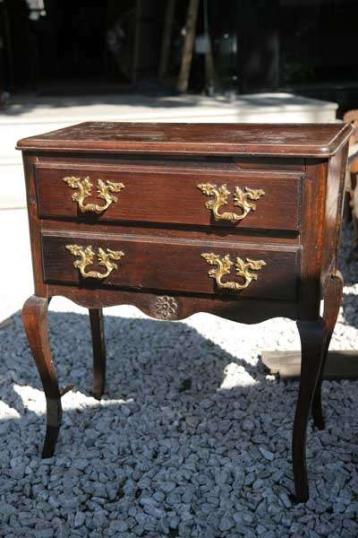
x,y
34,316
312,336
99,352
54,414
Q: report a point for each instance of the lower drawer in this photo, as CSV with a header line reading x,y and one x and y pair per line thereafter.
x,y
150,263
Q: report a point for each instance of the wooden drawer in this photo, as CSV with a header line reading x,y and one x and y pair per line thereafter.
x,y
147,263
264,200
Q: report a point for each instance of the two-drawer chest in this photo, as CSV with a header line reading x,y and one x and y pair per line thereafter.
x,y
241,221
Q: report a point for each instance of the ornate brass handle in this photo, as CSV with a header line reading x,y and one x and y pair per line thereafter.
x,y
86,256
220,194
223,267
83,188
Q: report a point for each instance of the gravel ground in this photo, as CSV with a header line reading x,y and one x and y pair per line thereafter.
x,y
192,438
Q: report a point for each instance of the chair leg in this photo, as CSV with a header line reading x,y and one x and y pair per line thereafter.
x,y
99,352
353,205
332,299
34,315
312,336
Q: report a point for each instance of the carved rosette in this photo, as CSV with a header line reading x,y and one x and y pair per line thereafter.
x,y
165,307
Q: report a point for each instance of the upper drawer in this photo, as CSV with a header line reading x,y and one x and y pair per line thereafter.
x,y
247,199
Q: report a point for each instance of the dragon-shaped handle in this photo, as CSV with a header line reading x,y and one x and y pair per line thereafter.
x,y
86,256
220,194
222,267
83,187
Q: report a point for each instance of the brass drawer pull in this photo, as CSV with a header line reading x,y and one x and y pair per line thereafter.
x,y
220,194
84,189
223,267
86,256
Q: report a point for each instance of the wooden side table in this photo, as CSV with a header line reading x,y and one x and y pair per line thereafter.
x,y
241,221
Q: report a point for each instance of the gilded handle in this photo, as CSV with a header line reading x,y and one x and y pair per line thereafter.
x,y
222,267
83,188
86,257
243,199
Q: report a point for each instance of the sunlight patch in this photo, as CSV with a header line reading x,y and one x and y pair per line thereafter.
x,y
34,400
7,412
236,376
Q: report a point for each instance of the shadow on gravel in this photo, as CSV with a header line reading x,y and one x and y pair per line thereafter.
x,y
166,366
157,355
189,440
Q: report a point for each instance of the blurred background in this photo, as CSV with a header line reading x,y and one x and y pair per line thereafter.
x,y
63,62
62,47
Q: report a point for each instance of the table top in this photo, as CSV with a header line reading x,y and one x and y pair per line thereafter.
x,y
286,140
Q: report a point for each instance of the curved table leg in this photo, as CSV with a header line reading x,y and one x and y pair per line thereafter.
x,y
99,351
312,336
332,299
34,316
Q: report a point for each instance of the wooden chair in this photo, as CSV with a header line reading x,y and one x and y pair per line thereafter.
x,y
351,182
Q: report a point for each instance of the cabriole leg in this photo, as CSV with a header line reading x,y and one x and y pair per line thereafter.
x,y
34,316
312,336
332,298
99,352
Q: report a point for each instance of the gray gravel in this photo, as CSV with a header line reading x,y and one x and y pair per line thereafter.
x,y
191,440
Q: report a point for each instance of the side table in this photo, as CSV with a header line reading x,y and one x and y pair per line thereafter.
x,y
241,221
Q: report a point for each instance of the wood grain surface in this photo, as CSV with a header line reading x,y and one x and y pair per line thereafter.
x,y
308,140
171,197
171,265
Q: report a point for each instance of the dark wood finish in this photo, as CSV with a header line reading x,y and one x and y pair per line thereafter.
x,y
34,222
171,196
165,162
34,315
312,336
334,210
332,298
175,265
162,225
245,310
201,233
312,239
290,140
99,351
